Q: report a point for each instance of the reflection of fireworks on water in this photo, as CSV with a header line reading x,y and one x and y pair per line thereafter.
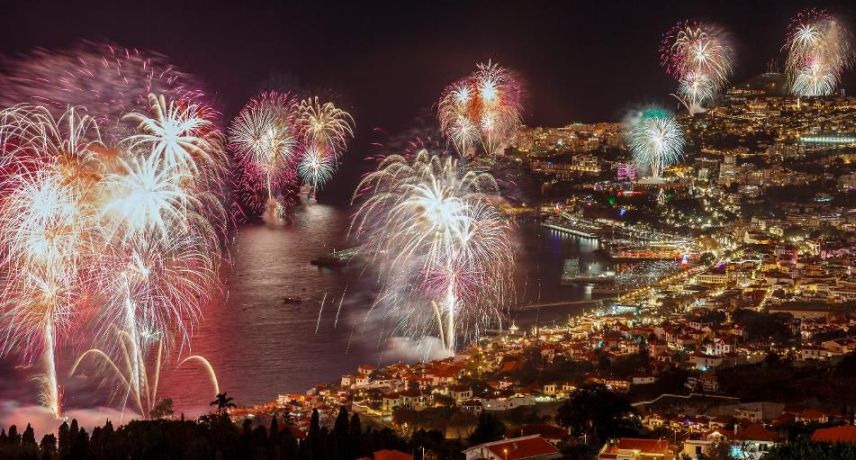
x,y
819,50
699,56
656,139
482,107
443,250
118,239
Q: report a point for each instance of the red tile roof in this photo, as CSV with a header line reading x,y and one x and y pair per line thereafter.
x,y
648,446
520,448
391,455
756,432
845,433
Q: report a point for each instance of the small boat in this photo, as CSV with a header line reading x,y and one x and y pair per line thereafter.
x,y
291,300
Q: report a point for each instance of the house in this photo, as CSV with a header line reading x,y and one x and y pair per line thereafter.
x,y
844,433
696,448
642,379
365,369
473,405
347,381
526,447
751,413
811,416
553,434
461,393
709,382
412,398
754,441
840,346
816,353
390,402
637,449
704,362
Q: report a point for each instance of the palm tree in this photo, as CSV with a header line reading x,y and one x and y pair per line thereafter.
x,y
223,403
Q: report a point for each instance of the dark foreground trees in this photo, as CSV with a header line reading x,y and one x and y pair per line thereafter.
x,y
595,411
211,437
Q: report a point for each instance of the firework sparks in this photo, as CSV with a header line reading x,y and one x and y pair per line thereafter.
x,y
315,168
699,56
483,107
325,126
656,139
443,249
819,50
265,137
123,233
109,80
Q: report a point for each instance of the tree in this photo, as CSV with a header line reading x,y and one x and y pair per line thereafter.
x,y
48,446
64,439
488,429
29,437
595,410
223,403
13,438
805,449
163,409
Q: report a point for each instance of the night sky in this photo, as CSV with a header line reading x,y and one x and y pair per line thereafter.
x,y
580,61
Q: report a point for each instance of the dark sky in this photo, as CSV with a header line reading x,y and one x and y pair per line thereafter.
x,y
581,61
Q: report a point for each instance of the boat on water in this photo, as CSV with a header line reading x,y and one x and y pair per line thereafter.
x,y
335,259
288,300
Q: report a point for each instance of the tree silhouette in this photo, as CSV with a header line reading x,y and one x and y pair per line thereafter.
x,y
489,429
596,410
163,409
223,403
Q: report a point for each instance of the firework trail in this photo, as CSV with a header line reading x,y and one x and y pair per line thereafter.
x,y
119,238
443,250
320,310
483,107
699,56
819,49
339,308
655,138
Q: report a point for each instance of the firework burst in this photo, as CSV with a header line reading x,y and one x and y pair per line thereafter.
x,y
45,204
325,126
265,137
118,239
699,56
819,49
656,139
443,249
109,80
483,107
315,168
